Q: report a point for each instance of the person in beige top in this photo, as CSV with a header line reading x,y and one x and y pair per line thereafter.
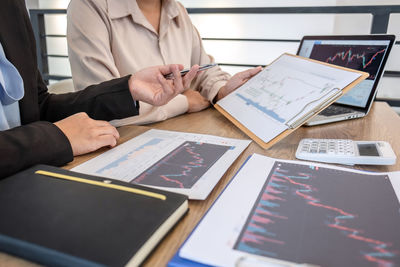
x,y
111,38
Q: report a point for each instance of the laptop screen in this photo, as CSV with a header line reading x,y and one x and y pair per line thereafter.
x,y
367,55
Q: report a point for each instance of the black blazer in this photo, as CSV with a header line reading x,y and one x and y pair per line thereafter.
x,y
38,140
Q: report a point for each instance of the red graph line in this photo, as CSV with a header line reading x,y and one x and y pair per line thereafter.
x,y
350,57
196,162
373,57
354,233
180,184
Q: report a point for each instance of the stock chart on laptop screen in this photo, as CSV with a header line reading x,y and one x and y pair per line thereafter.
x,y
363,55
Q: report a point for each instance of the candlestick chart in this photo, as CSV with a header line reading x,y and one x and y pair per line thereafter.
x,y
182,167
366,58
322,216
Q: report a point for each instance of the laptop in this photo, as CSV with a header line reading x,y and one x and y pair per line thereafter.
x,y
367,53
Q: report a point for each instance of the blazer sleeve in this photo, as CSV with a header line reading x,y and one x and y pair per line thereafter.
x,y
105,101
43,142
37,142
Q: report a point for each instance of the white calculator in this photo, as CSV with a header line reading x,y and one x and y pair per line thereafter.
x,y
344,151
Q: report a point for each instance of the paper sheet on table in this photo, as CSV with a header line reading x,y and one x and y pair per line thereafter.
x,y
254,217
185,163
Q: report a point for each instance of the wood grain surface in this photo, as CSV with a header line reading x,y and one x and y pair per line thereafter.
x,y
382,123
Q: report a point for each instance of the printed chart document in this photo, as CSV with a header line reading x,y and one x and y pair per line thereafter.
x,y
285,95
282,212
185,163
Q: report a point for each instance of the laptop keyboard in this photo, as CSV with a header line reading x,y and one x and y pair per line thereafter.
x,y
335,110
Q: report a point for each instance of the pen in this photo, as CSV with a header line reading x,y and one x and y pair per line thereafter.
x,y
170,76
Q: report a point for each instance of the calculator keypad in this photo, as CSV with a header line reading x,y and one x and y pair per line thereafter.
x,y
345,151
328,146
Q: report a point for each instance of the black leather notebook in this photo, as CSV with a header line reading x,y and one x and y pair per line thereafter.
x,y
81,220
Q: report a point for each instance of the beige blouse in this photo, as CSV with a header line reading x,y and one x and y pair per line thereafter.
x,y
112,38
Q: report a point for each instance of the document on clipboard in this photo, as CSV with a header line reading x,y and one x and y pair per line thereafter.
x,y
284,95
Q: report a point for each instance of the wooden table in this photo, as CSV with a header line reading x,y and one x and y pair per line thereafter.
x,y
382,123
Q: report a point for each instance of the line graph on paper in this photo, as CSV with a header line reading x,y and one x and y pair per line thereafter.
x,y
185,163
366,58
281,96
183,166
326,217
123,161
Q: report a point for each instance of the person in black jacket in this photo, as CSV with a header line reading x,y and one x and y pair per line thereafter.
x,y
54,128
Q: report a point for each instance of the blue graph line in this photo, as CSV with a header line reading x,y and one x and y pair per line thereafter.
x,y
115,163
263,109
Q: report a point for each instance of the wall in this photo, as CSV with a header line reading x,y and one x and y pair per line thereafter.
x,y
388,87
32,3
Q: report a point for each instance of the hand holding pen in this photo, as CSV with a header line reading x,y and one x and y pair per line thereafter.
x,y
170,76
150,86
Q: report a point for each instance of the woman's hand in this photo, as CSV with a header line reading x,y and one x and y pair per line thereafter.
x,y
196,101
86,135
236,81
150,86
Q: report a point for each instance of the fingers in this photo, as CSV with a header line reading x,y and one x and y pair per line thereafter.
x,y
105,140
86,135
170,88
255,70
166,93
167,86
103,134
180,83
150,85
247,74
169,68
104,128
187,79
100,123
179,88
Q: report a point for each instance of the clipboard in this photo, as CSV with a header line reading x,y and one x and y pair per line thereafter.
x,y
300,120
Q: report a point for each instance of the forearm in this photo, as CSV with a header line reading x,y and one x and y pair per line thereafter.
x,y
150,114
105,101
222,92
210,81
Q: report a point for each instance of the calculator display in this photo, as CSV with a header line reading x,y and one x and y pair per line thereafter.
x,y
368,150
346,151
